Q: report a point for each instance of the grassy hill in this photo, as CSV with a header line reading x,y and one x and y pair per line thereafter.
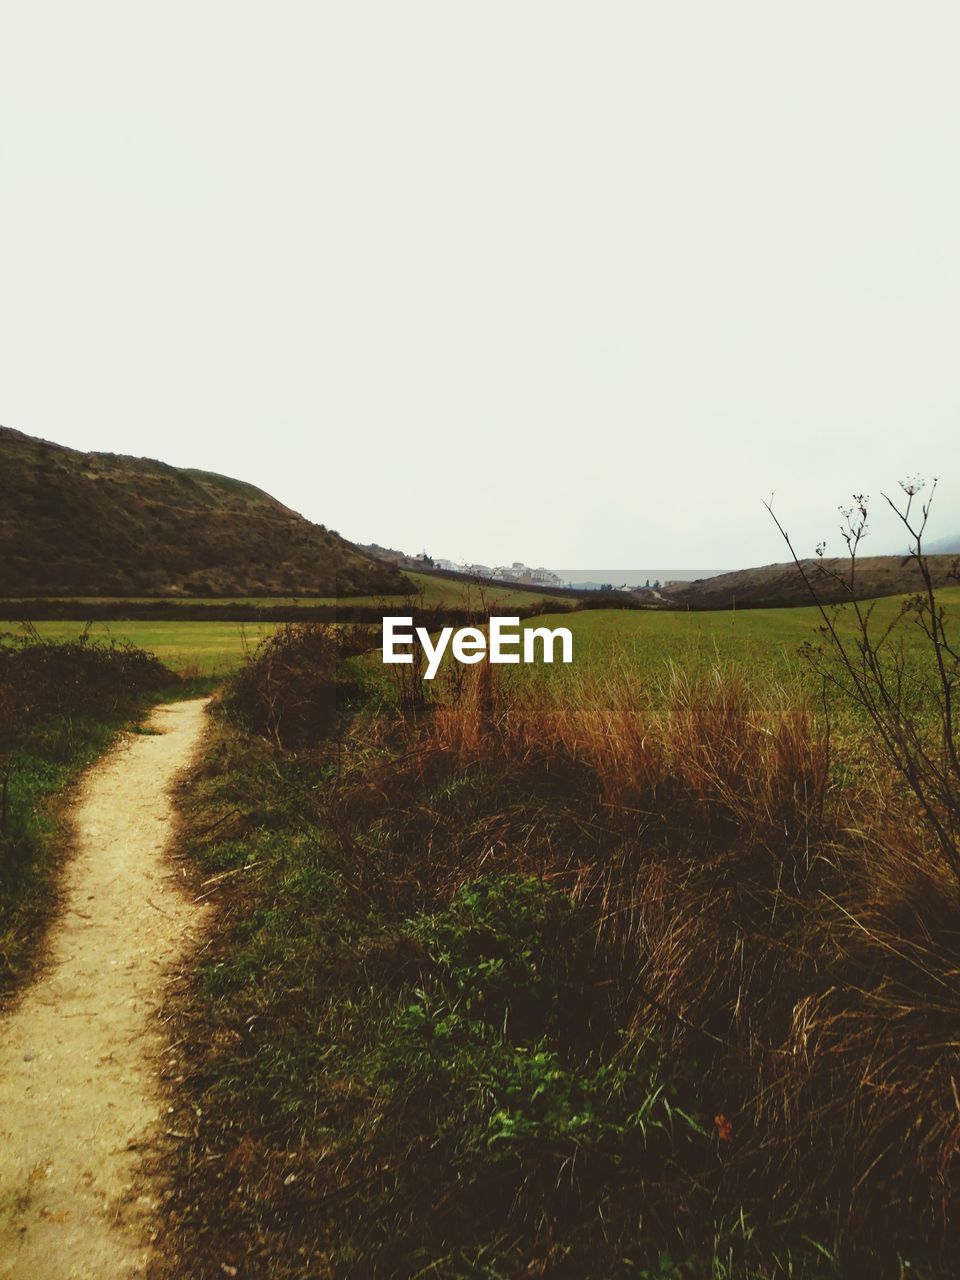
x,y
775,585
75,523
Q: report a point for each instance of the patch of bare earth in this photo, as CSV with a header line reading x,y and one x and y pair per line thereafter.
x,y
81,1104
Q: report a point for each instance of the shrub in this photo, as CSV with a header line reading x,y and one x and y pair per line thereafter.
x,y
43,679
292,689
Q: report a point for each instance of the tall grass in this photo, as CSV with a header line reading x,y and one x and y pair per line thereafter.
x,y
577,977
790,925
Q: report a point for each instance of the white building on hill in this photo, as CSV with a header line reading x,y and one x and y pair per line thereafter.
x,y
520,572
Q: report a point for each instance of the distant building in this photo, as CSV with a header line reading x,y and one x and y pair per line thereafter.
x,y
509,573
515,572
520,572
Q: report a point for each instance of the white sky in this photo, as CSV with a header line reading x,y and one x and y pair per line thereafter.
x,y
570,283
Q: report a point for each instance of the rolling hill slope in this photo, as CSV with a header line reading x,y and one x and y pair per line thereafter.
x,y
771,586
945,546
74,523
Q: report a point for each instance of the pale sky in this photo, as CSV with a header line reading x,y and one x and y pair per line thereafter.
x,y
577,284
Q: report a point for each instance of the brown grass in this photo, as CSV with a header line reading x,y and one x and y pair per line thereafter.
x,y
757,900
786,922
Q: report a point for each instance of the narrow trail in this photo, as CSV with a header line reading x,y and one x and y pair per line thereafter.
x,y
80,1096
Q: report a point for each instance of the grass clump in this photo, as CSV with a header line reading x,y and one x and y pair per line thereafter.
x,y
294,690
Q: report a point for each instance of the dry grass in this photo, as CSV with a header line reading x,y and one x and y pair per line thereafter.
x,y
757,910
787,922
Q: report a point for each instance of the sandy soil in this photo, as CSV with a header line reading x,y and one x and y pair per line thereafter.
x,y
80,1098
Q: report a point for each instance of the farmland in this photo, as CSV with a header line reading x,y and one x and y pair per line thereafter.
x,y
761,642
188,648
758,640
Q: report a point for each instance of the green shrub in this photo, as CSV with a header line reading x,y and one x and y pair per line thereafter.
x,y
40,680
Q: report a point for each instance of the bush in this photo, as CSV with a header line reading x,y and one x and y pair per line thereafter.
x,y
292,689
40,680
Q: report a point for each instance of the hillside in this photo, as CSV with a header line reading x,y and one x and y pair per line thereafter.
x,y
774,585
74,523
945,546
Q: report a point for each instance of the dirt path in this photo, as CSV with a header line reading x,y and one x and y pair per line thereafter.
x,y
80,1099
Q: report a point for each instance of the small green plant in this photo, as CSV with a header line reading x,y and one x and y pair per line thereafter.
x,y
493,946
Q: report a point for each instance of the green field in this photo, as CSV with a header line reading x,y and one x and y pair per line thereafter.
x,y
467,595
755,639
189,648
649,640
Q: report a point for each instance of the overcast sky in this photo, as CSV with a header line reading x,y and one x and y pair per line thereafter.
x,y
577,284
